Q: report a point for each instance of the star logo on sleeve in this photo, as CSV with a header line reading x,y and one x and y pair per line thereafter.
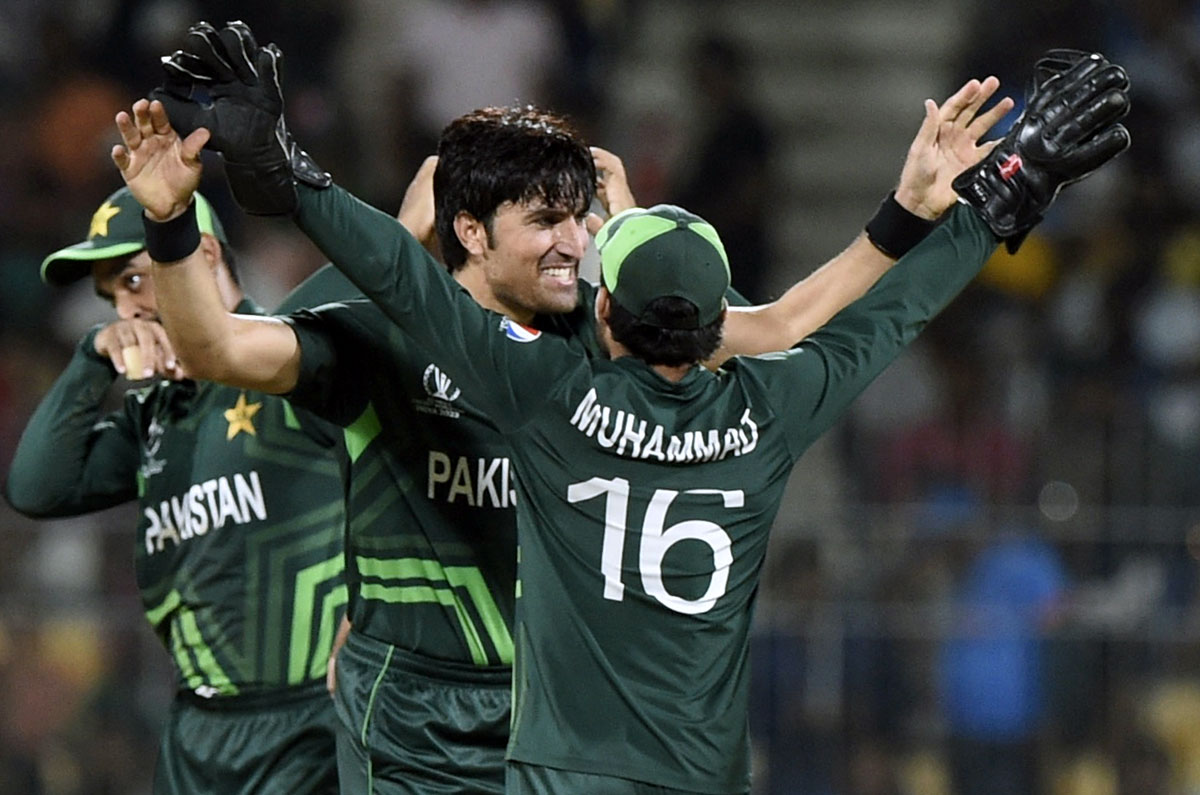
x,y
241,417
99,227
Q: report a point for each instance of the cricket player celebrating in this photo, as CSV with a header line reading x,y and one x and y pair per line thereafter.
x,y
398,566
238,549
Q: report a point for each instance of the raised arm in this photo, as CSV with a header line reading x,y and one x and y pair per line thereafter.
x,y
71,459
214,344
945,145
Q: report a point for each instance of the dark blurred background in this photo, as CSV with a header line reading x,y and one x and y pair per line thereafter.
x,y
984,580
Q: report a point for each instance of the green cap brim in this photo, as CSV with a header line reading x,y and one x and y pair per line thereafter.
x,y
116,231
75,262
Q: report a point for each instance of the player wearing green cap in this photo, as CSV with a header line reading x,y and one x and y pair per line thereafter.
x,y
239,543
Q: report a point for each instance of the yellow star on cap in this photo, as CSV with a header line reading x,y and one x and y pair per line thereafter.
x,y
100,220
240,417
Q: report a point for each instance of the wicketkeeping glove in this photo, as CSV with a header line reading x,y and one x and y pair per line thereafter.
x,y
1054,62
1067,131
224,81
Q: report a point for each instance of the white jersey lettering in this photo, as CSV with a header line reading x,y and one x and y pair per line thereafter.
x,y
478,482
633,437
205,506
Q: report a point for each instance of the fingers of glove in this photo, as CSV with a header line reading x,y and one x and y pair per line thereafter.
x,y
1071,128
269,61
185,69
1109,78
1056,61
204,43
241,50
1090,155
1067,83
1104,110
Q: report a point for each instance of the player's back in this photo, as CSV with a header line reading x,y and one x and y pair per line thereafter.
x,y
648,509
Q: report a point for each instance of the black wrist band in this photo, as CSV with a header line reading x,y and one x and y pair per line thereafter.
x,y
171,241
894,230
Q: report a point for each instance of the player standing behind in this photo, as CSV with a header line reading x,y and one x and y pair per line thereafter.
x,y
423,685
239,543
631,646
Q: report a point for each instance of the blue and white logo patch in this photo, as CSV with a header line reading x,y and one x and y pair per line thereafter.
x,y
518,333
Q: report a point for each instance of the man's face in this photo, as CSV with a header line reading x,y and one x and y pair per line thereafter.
x,y
531,264
127,285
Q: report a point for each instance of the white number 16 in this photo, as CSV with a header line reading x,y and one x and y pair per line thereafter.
x,y
656,540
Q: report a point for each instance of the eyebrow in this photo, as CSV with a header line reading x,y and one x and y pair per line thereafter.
x,y
114,275
545,211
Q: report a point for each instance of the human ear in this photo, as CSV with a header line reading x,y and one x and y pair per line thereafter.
x,y
471,233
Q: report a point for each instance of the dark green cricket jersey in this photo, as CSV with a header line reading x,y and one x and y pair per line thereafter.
x,y
431,545
239,552
643,505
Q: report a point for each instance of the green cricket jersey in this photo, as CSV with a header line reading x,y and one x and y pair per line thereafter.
x,y
239,551
431,561
643,505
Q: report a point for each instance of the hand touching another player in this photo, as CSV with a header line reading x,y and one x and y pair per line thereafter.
x,y
612,187
417,212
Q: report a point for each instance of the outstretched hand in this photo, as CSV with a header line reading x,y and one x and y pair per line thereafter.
x,y
946,145
161,169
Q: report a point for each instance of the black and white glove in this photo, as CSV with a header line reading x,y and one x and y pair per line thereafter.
x,y
224,81
1068,130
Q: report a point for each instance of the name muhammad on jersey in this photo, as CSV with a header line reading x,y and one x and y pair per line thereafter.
x,y
633,437
203,507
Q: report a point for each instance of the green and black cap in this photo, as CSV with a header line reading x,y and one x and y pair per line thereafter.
x,y
116,231
660,252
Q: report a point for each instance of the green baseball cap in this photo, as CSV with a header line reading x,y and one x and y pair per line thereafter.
x,y
659,252
116,231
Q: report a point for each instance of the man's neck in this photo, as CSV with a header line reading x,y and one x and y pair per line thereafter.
x,y
671,372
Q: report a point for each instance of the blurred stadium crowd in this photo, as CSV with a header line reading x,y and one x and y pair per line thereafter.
x,y
991,565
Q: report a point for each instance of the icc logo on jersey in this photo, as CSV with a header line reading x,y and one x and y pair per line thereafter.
x,y
442,392
438,384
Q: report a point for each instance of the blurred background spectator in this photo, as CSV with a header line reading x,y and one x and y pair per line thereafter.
x,y
1060,394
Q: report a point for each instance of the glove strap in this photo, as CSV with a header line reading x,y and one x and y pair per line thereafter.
x,y
173,240
894,230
